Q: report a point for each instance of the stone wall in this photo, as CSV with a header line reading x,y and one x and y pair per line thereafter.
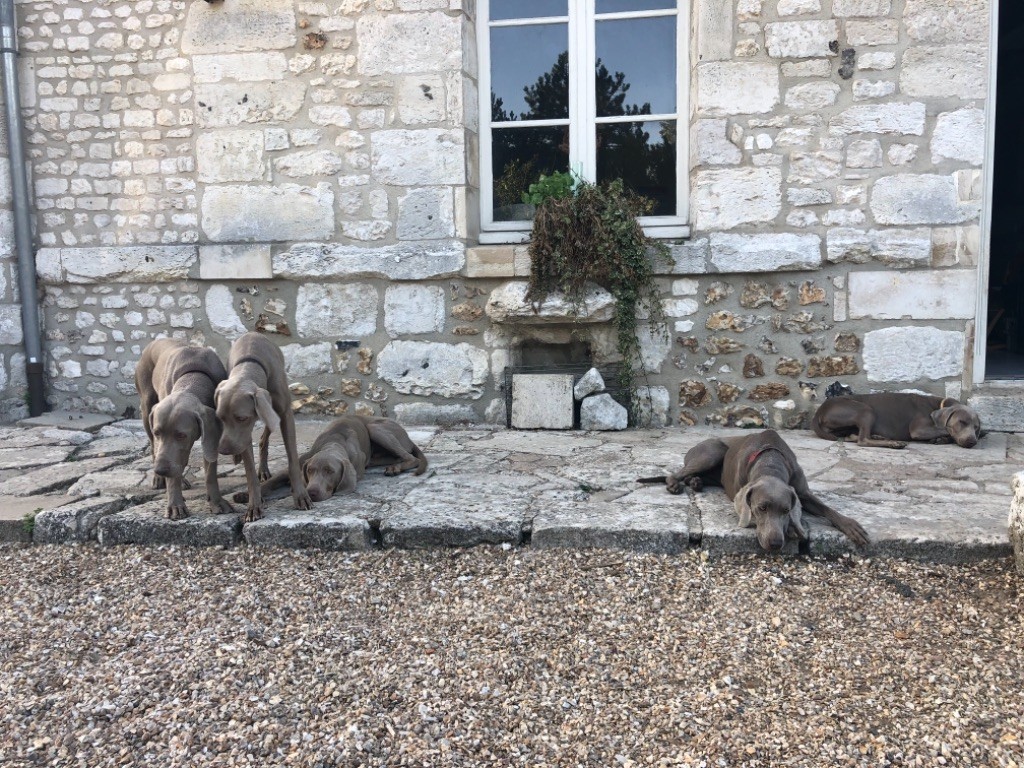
x,y
309,169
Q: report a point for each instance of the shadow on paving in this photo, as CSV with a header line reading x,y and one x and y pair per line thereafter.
x,y
544,489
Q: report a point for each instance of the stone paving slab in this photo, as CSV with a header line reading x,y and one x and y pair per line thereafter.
x,y
14,512
545,489
86,422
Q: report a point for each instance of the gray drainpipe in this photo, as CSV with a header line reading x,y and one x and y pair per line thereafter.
x,y
22,212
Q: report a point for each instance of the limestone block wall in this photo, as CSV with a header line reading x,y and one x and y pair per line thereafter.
x,y
309,169
12,359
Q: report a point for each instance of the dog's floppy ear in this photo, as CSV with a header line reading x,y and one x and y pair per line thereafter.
x,y
796,523
305,473
209,433
347,481
216,393
941,417
265,409
742,502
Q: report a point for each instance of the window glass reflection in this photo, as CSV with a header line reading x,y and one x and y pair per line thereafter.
x,y
636,66
527,9
529,73
643,155
519,157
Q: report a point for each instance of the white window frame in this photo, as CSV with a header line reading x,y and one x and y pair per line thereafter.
x,y
582,31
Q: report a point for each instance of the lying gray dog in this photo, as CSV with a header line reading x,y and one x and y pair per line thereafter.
x,y
176,384
257,386
761,475
341,453
890,419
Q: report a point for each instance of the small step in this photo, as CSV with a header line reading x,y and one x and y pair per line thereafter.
x,y
85,422
1001,407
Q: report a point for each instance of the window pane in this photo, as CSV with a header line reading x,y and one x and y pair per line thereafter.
x,y
643,155
617,6
530,73
636,66
527,9
520,156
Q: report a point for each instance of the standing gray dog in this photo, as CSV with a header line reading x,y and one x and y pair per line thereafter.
x,y
176,385
761,475
890,419
257,386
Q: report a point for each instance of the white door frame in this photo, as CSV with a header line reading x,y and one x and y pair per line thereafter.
x,y
981,305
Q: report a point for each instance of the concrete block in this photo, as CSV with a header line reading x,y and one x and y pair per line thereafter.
x,y
542,401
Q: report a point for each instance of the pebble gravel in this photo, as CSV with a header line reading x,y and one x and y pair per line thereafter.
x,y
506,657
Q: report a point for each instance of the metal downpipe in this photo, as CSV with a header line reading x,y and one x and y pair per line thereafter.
x,y
31,330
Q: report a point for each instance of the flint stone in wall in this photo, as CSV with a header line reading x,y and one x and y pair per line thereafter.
x,y
800,39
898,247
765,252
230,156
220,311
918,294
131,264
426,214
710,145
10,324
945,71
409,43
913,353
346,311
413,309
899,119
241,25
941,21
268,213
726,198
959,135
919,199
428,368
243,67
225,105
395,262
508,304
420,157
307,359
235,262
737,88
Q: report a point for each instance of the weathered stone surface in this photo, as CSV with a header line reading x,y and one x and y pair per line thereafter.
x,y
808,96
724,320
131,264
651,407
409,43
835,365
873,32
721,345
798,7
845,8
264,213
244,67
756,295
314,162
508,304
999,408
693,393
227,105
330,526
847,342
727,393
765,252
959,135
789,366
710,145
898,119
601,412
809,293
243,25
864,154
743,416
34,456
231,156
633,526
410,309
898,247
53,478
302,360
945,71
939,21
220,311
397,262
235,262
913,353
428,368
10,327
74,522
917,294
344,310
431,414
421,157
426,214
800,39
727,198
542,401
814,167
1015,523
920,199
753,367
687,258
765,392
737,88
589,383
148,524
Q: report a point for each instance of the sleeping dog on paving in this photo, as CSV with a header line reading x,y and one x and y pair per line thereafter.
x,y
761,475
890,419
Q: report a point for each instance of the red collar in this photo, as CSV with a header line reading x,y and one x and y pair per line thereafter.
x,y
756,454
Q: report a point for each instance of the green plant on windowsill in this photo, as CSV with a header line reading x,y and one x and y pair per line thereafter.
x,y
554,187
591,235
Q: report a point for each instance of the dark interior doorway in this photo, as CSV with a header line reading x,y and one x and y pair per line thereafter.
x,y
1005,327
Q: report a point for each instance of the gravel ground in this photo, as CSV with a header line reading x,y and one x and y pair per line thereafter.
x,y
164,657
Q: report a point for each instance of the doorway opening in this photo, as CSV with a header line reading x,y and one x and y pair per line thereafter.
x,y
1004,328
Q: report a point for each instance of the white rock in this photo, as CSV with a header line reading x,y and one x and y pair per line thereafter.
x,y
737,88
333,310
226,105
866,153
798,7
235,262
876,60
655,344
651,406
321,162
129,264
508,304
872,89
242,25
899,247
433,414
869,33
410,309
589,383
959,135
725,198
902,154
767,252
911,353
601,412
845,8
814,167
266,213
900,119
230,156
243,67
800,39
429,368
803,196
919,294
444,258
409,43
421,100
307,359
420,157
710,145
949,71
10,324
426,214
919,199
220,311
812,96
941,21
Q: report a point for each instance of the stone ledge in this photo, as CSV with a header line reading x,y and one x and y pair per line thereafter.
x,y
148,524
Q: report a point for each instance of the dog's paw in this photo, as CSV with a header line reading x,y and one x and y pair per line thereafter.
x,y
944,440
252,514
853,531
394,469
695,484
302,500
222,507
264,474
177,511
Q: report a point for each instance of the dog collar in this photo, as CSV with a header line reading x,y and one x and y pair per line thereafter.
x,y
757,454
251,359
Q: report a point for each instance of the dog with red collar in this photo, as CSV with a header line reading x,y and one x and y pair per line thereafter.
x,y
760,474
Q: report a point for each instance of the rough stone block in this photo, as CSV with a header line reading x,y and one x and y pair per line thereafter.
x,y
148,524
913,353
444,258
339,311
589,383
945,71
899,119
652,407
869,33
542,401
710,145
726,198
268,213
432,414
426,214
654,527
130,264
1015,524
737,88
235,262
897,247
939,21
812,96
920,199
430,368
490,261
800,39
302,360
846,8
959,135
601,412
411,309
409,43
765,252
918,294
330,526
226,105
243,67
74,522
508,304
419,157
10,324
53,478
242,25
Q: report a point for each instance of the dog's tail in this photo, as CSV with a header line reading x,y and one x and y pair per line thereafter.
x,y
651,480
422,466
